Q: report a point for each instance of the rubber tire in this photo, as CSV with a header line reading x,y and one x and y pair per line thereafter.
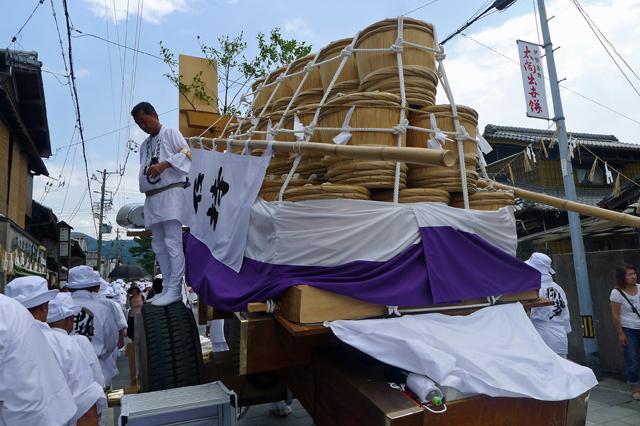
x,y
168,352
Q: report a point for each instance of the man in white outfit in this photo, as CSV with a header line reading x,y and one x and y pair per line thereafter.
x,y
60,319
117,315
165,160
552,322
87,394
33,390
95,321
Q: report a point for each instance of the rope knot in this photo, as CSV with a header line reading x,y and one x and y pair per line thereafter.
x,y
271,306
347,51
397,47
308,68
440,56
251,132
275,130
308,131
280,79
260,88
243,99
462,134
401,128
393,310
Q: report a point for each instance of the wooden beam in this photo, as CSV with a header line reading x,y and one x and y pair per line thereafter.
x,y
572,206
426,156
205,119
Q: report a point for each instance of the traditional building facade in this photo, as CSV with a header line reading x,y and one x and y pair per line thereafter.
x,y
544,228
24,142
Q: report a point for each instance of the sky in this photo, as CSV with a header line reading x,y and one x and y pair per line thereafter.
x,y
110,79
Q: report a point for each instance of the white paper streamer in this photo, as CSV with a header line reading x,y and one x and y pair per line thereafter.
x,y
436,139
298,127
608,174
344,137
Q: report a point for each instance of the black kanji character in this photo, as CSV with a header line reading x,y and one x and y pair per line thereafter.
x,y
197,189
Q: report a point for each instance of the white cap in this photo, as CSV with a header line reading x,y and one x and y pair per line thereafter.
x,y
105,290
541,262
82,276
158,276
31,291
61,307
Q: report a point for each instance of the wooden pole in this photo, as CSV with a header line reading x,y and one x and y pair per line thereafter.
x,y
572,206
426,156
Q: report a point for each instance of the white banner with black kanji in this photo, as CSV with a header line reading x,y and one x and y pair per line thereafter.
x,y
218,202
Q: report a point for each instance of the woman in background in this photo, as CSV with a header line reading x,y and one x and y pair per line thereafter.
x,y
135,300
625,303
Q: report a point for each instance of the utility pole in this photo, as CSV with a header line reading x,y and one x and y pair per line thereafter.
x,y
104,181
579,259
100,215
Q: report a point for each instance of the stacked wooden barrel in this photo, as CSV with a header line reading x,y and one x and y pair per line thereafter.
x,y
369,82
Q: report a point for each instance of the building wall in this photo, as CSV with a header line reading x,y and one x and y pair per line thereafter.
x,y
4,166
17,203
18,190
600,269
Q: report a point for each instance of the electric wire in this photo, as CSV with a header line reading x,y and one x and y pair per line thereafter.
x,y
561,85
421,7
600,36
15,37
76,100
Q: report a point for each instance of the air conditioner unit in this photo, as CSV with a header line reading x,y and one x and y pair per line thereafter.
x,y
203,405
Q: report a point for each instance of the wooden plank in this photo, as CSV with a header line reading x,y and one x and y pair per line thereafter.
x,y
485,411
346,390
298,330
203,119
308,304
248,389
263,344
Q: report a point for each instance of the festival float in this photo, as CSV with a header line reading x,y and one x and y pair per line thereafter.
x,y
349,235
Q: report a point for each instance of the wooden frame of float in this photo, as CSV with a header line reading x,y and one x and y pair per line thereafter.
x,y
309,305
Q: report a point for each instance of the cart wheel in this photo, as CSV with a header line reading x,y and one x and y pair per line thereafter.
x,y
168,352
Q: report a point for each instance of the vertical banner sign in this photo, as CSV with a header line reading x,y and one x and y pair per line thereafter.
x,y
533,80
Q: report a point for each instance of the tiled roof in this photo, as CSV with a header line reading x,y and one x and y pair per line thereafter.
x,y
528,135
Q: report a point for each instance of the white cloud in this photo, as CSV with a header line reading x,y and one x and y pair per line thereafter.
x,y
81,72
492,84
298,26
152,10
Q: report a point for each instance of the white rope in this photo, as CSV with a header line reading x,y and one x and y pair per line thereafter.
x,y
271,306
444,406
393,310
289,176
454,111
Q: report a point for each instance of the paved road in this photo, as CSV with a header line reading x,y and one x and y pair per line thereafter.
x,y
610,404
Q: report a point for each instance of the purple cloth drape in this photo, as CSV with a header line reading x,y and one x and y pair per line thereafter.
x,y
447,267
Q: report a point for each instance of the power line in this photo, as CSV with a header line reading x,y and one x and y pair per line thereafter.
x,y
600,36
75,97
111,132
15,37
421,7
83,34
563,86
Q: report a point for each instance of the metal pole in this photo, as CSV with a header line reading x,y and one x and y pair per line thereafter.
x,y
104,180
579,260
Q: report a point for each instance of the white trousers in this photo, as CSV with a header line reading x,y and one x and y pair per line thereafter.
x,y
167,245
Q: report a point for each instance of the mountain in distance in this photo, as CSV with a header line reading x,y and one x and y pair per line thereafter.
x,y
109,249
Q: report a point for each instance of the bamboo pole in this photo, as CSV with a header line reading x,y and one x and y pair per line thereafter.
x,y
572,206
425,156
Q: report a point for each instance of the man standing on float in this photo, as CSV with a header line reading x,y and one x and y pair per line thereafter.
x,y
165,160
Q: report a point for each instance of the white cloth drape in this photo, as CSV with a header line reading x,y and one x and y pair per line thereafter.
x,y
495,351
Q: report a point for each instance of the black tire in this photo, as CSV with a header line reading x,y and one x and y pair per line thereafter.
x,y
168,352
